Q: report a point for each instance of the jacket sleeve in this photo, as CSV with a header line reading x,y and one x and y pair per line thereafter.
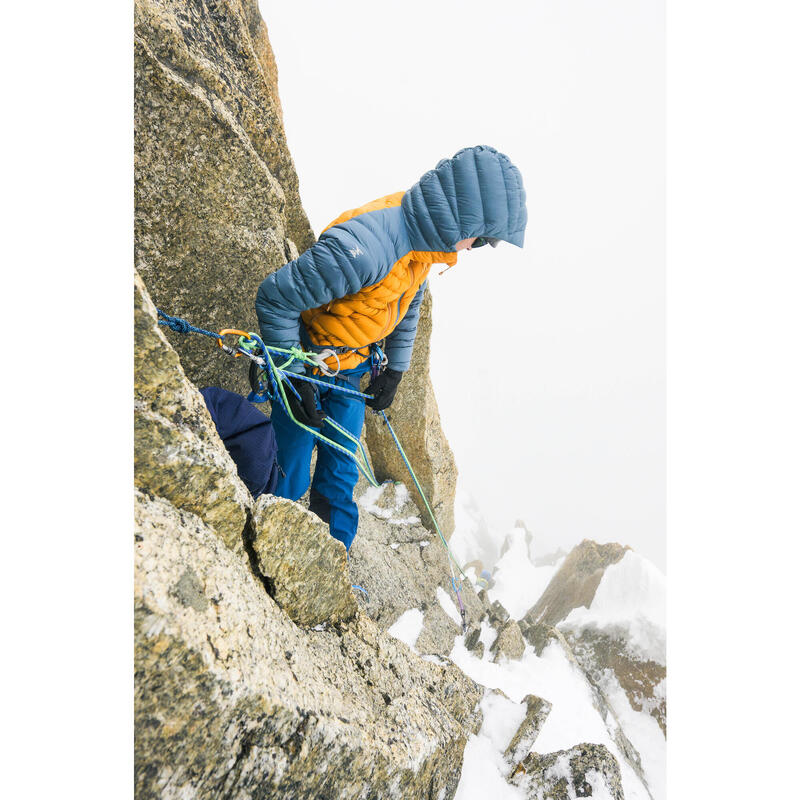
x,y
346,258
400,342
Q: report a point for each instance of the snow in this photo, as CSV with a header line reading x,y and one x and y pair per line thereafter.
x,y
482,773
448,606
472,540
519,583
572,720
644,734
407,627
630,601
372,495
484,770
502,717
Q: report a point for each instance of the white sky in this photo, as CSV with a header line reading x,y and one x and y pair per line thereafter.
x,y
548,361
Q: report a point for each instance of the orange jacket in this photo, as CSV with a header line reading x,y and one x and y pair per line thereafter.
x,y
371,313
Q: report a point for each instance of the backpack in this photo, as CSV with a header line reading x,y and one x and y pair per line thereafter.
x,y
247,435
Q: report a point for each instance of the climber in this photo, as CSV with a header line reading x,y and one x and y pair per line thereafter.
x,y
361,285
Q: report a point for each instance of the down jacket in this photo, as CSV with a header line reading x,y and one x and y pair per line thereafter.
x,y
364,279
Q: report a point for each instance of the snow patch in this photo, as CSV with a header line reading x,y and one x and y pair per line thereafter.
x,y
372,495
572,719
629,602
408,627
448,606
518,582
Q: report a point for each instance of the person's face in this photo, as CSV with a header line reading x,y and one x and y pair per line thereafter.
x,y
465,244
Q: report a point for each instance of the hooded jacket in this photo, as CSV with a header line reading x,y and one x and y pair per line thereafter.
x,y
365,278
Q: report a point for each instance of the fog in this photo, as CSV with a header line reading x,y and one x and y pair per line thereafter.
x,y
548,362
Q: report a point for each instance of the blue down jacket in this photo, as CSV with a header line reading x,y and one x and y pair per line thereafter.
x,y
364,279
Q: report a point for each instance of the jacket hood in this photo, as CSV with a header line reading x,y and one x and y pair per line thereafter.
x,y
477,192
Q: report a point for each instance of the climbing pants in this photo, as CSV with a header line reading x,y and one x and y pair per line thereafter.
x,y
335,475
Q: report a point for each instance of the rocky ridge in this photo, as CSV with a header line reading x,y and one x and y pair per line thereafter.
x,y
247,684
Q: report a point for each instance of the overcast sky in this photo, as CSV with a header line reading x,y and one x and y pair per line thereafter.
x,y
548,361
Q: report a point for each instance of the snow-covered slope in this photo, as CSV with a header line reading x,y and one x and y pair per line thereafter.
x,y
601,668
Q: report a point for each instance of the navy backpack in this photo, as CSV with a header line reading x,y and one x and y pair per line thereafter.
x,y
248,436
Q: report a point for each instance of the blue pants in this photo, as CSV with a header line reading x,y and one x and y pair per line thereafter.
x,y
336,474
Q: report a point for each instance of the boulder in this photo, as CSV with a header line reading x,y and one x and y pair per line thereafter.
x,y
306,568
232,699
509,642
216,195
177,453
497,614
586,770
414,416
523,740
575,582
472,639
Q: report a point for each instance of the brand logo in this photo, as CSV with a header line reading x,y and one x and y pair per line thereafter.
x,y
356,251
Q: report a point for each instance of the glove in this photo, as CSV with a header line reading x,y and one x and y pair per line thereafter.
x,y
383,388
305,409
256,375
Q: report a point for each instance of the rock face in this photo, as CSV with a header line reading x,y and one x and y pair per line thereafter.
x,y
217,208
305,566
606,658
216,194
509,642
232,697
586,770
575,582
414,416
402,565
234,700
525,737
177,452
617,673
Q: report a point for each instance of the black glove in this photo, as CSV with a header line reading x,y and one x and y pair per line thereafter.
x,y
383,388
305,409
256,375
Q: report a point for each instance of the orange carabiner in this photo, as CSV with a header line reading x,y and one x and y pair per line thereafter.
x,y
232,332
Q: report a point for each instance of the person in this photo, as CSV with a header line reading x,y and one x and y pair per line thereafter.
x,y
361,285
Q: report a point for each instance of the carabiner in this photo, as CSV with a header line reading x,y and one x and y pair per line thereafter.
x,y
231,332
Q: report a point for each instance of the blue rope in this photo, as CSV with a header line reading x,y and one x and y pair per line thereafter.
x,y
360,589
182,326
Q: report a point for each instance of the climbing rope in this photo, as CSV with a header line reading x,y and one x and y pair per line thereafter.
x,y
252,347
450,559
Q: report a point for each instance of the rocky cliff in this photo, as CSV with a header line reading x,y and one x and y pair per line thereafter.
x,y
259,673
217,204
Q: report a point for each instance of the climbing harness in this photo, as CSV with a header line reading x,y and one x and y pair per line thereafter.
x,y
250,345
268,382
